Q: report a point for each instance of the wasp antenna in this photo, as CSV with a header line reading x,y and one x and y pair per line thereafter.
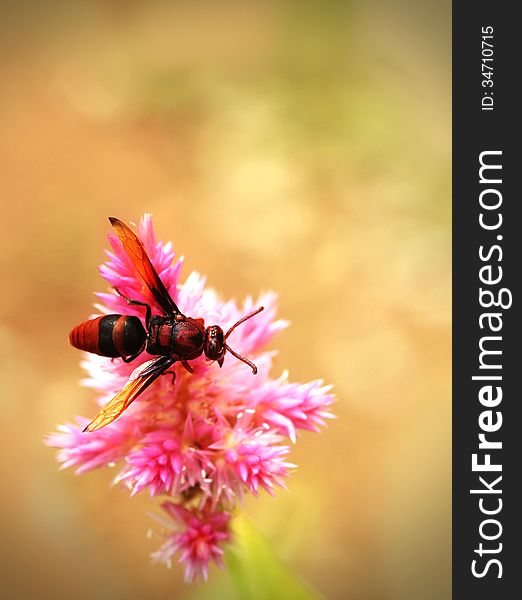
x,y
243,320
242,358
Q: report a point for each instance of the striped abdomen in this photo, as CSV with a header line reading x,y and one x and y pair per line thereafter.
x,y
111,335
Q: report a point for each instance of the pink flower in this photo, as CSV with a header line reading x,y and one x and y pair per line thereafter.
x,y
202,438
199,541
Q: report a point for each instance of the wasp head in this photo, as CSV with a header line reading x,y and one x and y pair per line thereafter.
x,y
215,345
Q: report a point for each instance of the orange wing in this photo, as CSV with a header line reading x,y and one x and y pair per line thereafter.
x,y
139,380
136,252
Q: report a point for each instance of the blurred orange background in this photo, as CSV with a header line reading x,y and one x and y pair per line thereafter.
x,y
297,146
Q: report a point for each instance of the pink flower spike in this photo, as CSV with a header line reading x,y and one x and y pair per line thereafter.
x,y
203,438
198,539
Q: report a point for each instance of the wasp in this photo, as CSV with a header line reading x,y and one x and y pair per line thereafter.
x,y
171,337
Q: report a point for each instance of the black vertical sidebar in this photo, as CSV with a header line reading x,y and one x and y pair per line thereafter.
x,y
487,255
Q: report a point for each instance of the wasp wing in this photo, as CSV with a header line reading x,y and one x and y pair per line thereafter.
x,y
136,252
138,382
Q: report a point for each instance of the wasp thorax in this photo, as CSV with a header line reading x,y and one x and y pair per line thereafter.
x,y
215,343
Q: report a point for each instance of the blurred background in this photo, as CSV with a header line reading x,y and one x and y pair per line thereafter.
x,y
297,146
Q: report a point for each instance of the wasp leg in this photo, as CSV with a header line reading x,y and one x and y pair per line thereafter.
x,y
187,366
173,373
131,358
148,313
